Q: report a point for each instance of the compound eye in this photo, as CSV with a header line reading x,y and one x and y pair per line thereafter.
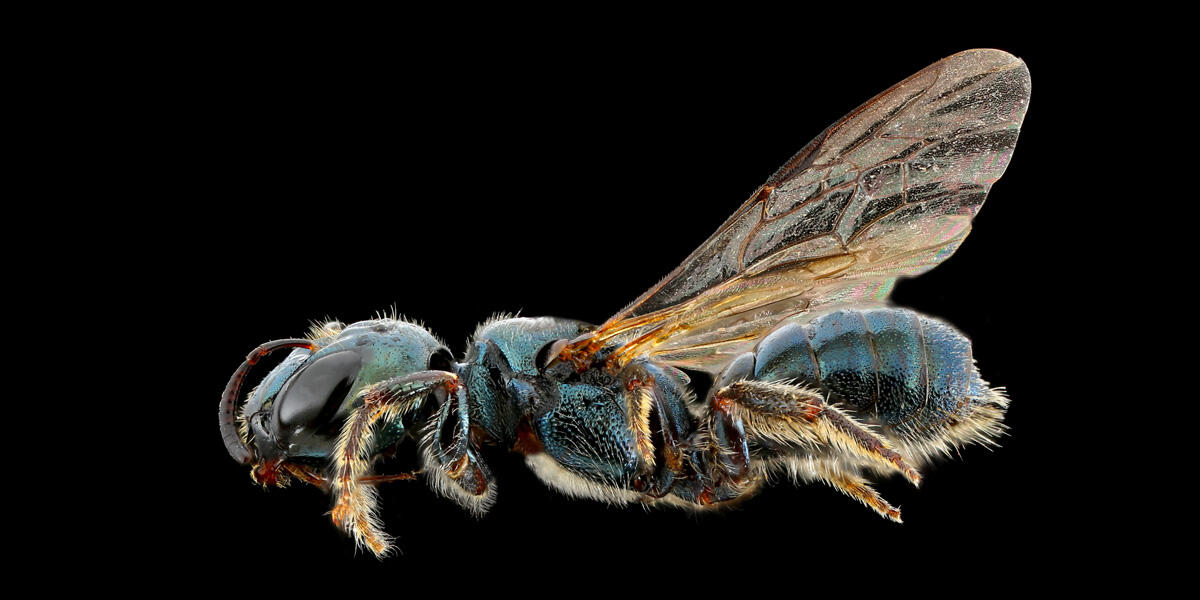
x,y
317,392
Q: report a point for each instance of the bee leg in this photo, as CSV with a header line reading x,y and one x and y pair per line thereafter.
x,y
790,415
707,462
452,459
306,474
717,464
310,476
656,408
727,457
374,479
856,487
356,500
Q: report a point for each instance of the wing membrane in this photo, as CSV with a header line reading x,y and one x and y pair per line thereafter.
x,y
887,191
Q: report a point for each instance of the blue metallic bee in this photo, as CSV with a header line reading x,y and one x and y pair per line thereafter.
x,y
771,349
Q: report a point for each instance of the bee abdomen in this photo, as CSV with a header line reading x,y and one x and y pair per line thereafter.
x,y
908,373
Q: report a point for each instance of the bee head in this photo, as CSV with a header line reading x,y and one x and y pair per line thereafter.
x,y
291,421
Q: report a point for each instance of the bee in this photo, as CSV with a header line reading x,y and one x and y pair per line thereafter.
x,y
770,350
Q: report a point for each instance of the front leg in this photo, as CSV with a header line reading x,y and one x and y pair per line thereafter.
x,y
356,500
451,456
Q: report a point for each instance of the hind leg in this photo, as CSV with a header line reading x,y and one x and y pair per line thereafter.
x,y
721,468
781,416
790,415
846,480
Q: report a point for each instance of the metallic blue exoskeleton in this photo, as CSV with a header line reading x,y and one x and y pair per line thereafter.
x,y
908,373
769,349
640,435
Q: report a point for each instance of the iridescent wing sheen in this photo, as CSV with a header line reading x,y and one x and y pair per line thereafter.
x,y
887,191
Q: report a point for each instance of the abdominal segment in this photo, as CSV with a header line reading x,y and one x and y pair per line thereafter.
x,y
910,375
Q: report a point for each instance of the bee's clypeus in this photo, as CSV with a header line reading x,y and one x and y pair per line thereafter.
x,y
784,308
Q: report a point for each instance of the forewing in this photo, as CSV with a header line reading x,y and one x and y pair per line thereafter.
x,y
887,191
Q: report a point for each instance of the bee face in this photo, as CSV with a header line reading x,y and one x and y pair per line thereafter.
x,y
296,412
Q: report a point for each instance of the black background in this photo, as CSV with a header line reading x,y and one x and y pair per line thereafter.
x,y
306,175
